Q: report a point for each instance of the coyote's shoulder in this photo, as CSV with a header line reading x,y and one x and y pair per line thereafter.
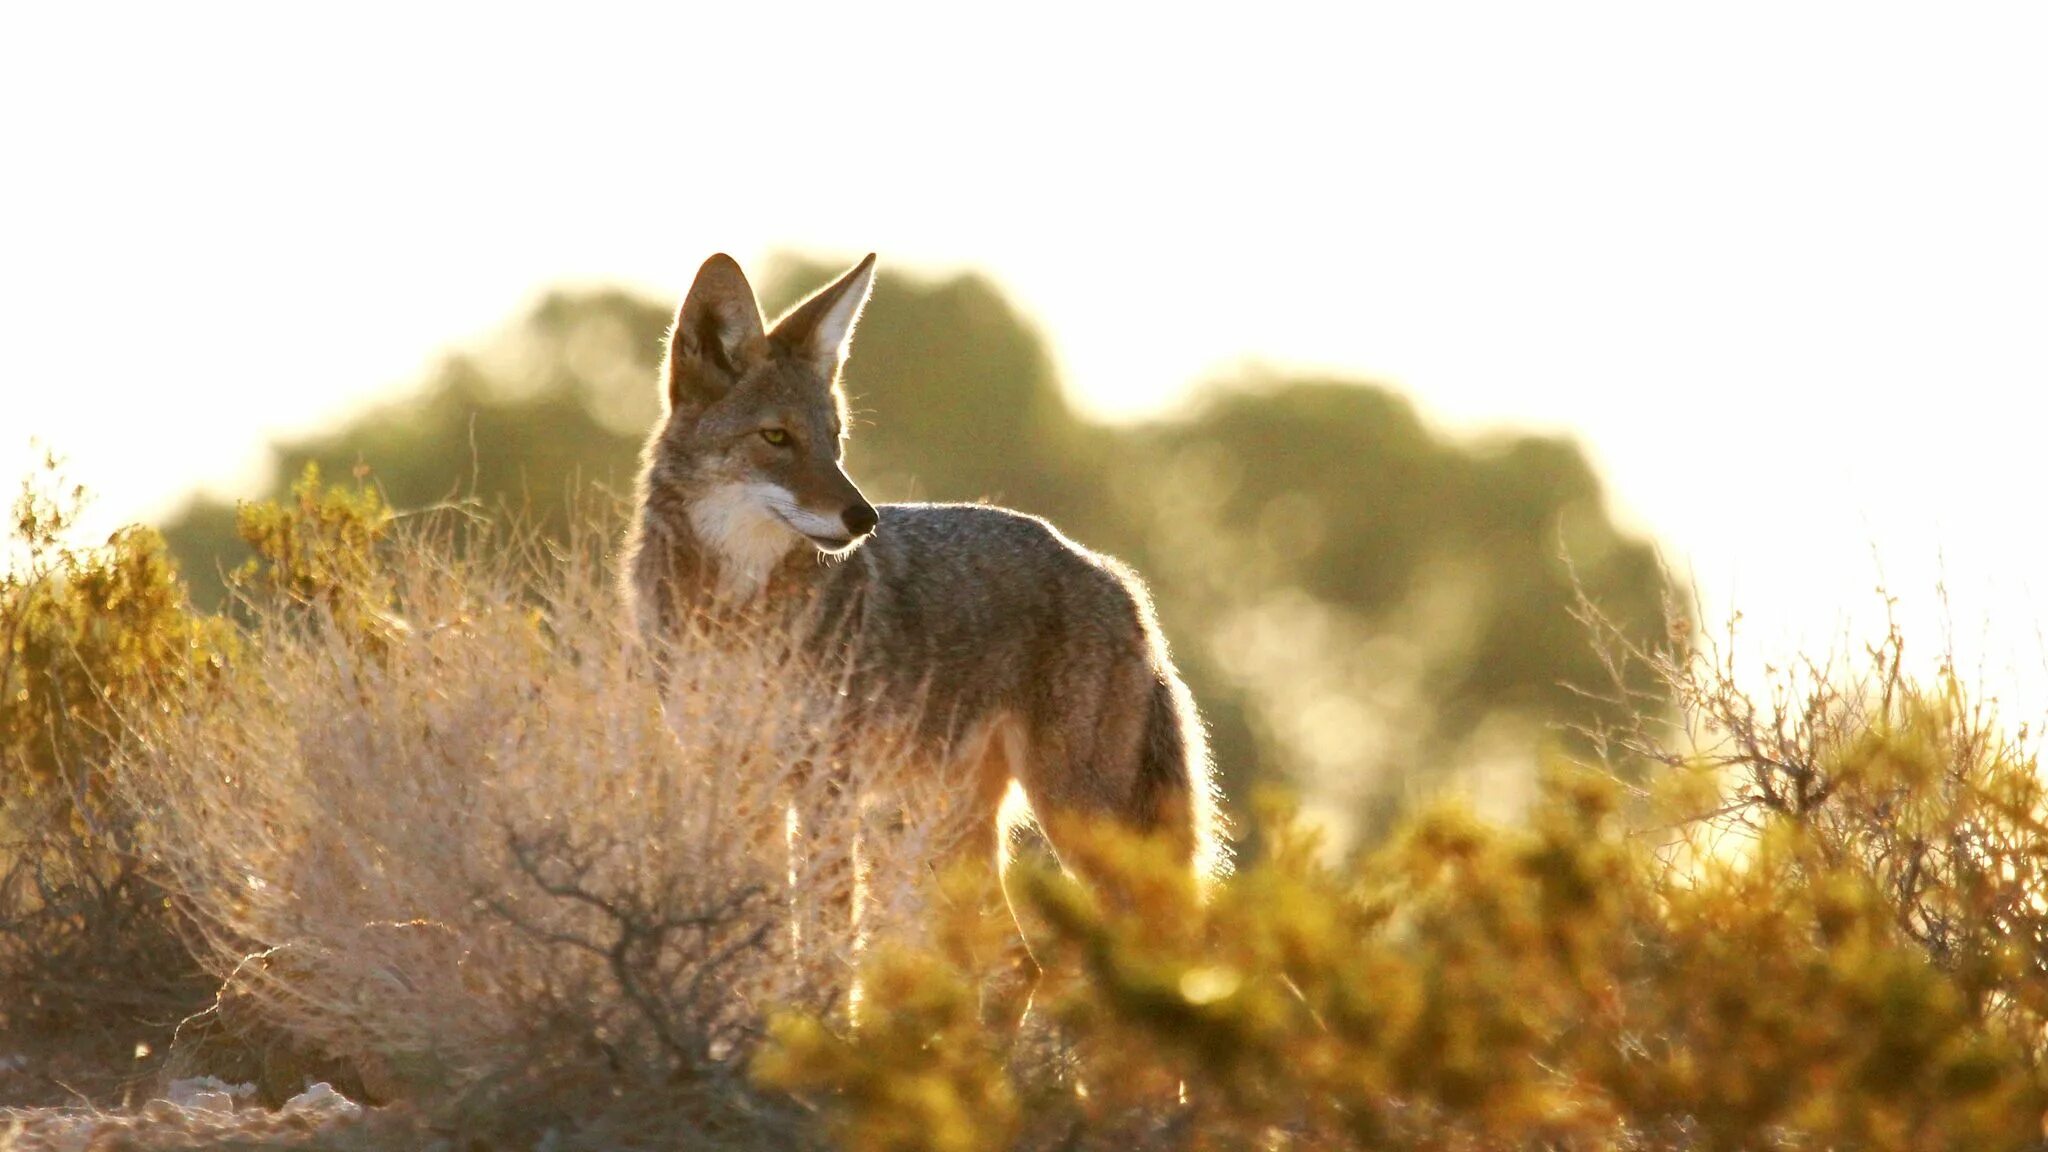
x,y
1035,658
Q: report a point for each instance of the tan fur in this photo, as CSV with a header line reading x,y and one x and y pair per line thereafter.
x,y
1017,654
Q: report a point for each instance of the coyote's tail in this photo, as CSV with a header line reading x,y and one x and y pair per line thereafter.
x,y
1176,794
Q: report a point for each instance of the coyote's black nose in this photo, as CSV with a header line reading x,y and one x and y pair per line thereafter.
x,y
861,518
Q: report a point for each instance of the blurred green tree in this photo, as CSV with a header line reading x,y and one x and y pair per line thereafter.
x,y
1363,606
1391,606
559,401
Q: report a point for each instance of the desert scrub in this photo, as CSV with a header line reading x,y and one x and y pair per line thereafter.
x,y
422,809
90,952
1810,922
439,819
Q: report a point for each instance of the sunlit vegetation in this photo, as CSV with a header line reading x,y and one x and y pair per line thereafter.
x,y
410,817
1579,982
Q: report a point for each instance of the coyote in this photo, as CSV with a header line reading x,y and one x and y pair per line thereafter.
x,y
1029,659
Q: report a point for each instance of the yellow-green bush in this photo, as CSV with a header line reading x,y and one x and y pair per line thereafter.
x,y
319,549
1855,968
85,633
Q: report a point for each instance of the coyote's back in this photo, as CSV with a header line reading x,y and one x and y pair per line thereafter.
x,y
1019,655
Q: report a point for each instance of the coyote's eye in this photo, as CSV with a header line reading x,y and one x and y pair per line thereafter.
x,y
775,436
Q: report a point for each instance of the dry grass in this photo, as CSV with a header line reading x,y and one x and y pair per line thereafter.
x,y
442,827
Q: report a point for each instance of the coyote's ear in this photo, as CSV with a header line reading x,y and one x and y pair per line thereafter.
x,y
718,318
820,328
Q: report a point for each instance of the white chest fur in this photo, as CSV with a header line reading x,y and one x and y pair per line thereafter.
x,y
737,524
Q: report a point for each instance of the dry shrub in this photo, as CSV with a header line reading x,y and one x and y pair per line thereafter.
x,y
1848,763
440,820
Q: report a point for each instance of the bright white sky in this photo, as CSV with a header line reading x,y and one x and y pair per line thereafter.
x,y
1782,268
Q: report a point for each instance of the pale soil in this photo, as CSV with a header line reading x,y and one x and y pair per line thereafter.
x,y
197,1114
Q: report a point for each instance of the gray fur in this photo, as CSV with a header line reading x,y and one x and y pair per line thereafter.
x,y
1014,646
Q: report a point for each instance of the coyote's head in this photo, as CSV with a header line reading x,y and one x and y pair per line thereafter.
x,y
750,447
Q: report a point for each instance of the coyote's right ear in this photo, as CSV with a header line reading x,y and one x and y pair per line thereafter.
x,y
718,319
820,328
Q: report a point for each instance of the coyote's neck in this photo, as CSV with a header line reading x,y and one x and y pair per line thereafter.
x,y
743,540
707,560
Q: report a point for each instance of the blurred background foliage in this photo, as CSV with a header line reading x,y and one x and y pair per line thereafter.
x,y
1367,609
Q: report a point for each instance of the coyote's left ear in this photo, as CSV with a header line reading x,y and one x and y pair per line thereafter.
x,y
716,322
820,328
